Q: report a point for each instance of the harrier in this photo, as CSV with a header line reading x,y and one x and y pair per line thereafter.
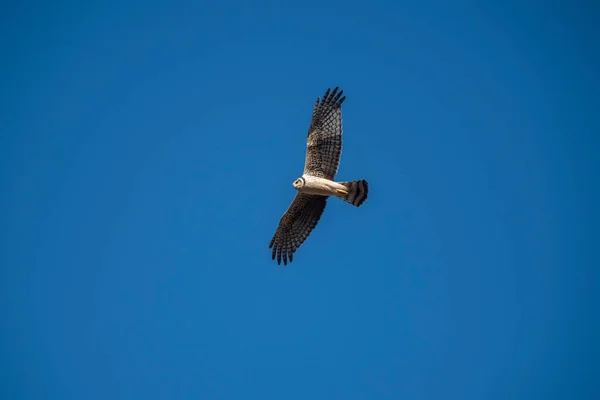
x,y
323,151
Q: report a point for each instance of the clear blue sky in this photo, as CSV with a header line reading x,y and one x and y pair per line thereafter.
x,y
147,152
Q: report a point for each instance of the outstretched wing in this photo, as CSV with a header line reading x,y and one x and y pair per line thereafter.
x,y
324,142
296,224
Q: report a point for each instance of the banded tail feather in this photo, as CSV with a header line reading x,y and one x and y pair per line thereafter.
x,y
357,192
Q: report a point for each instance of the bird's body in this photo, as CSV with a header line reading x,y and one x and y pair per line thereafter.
x,y
317,184
353,192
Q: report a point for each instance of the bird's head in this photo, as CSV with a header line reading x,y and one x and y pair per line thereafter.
x,y
299,183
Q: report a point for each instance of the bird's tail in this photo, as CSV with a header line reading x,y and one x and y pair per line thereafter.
x,y
357,192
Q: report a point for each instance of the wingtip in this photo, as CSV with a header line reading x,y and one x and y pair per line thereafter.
x,y
334,95
282,256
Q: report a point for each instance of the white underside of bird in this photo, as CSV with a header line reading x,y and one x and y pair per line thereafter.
x,y
322,187
354,192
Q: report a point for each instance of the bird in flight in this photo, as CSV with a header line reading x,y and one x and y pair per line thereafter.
x,y
323,151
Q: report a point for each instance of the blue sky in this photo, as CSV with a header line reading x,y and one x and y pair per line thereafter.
x,y
147,151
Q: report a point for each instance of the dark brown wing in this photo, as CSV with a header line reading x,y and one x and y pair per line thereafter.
x,y
324,142
296,224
